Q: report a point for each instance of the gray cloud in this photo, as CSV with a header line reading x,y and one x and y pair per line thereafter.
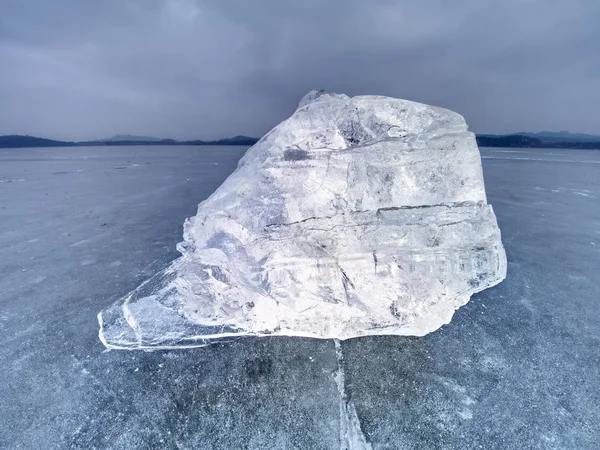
x,y
76,69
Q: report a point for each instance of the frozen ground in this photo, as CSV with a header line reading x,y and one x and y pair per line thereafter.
x,y
518,367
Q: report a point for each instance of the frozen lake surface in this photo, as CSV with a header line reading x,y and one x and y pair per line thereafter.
x,y
518,367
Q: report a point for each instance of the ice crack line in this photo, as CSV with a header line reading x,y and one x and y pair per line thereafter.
x,y
351,435
379,211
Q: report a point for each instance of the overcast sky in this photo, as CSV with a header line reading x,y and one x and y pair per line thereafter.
x,y
77,69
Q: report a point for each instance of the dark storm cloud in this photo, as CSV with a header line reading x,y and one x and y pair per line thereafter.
x,y
79,69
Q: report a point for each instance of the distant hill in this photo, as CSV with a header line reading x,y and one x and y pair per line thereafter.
x,y
512,140
535,140
237,140
117,143
521,140
562,136
19,141
129,137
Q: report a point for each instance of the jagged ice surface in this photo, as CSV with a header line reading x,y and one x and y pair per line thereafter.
x,y
355,216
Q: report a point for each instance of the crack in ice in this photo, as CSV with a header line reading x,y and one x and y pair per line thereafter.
x,y
351,434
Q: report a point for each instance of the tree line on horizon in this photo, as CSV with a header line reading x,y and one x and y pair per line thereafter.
x,y
483,140
19,141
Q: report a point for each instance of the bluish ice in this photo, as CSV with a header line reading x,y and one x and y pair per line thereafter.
x,y
518,366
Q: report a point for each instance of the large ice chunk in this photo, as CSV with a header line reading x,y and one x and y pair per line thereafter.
x,y
355,216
